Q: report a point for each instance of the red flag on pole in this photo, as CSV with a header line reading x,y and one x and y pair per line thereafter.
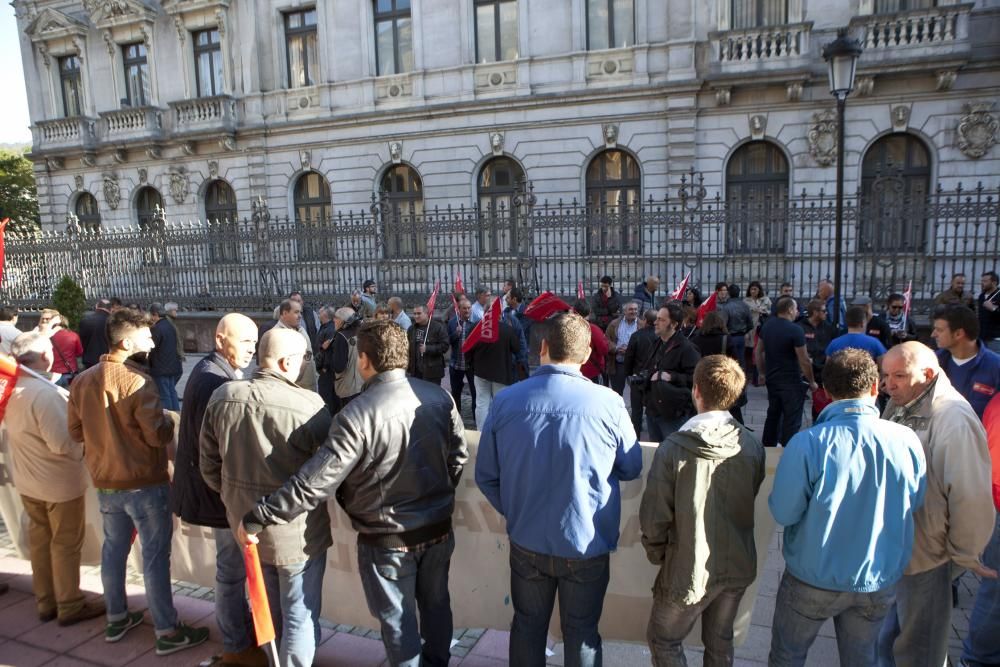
x,y
454,305
678,294
579,290
433,299
8,379
487,330
3,226
459,287
263,625
705,308
907,298
544,305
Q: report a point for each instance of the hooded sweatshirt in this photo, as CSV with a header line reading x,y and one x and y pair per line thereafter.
x,y
697,512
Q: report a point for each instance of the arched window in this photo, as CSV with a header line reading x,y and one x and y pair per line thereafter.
x,y
756,199
403,213
147,200
895,182
500,179
220,213
614,184
312,216
87,213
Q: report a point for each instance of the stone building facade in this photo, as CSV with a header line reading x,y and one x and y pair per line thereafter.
x,y
202,106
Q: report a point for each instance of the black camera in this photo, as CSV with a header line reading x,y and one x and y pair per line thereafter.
x,y
640,379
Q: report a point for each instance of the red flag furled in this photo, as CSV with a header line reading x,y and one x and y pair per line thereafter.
x,y
8,378
544,305
487,330
580,294
705,308
263,625
3,226
459,287
678,294
454,305
907,299
431,301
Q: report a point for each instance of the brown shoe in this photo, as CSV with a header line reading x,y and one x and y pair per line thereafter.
x,y
248,657
4,588
46,616
88,611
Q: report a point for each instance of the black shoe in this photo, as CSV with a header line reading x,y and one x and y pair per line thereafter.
x,y
4,588
47,616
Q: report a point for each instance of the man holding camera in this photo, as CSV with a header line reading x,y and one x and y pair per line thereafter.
x,y
666,378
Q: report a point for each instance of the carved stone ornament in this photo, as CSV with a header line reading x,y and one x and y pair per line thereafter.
x,y
496,142
188,148
78,181
305,159
154,152
179,186
119,155
864,86
758,126
793,91
228,143
610,132
213,169
112,193
105,13
900,118
723,96
89,159
143,175
978,130
396,152
946,78
54,163
822,137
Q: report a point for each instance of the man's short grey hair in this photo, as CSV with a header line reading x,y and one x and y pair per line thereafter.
x,y
344,314
481,290
329,311
395,301
157,309
171,307
356,293
29,347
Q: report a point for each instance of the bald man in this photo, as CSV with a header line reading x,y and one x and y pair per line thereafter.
x,y
195,503
256,434
956,520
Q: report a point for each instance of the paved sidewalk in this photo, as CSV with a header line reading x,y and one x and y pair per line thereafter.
x,y
25,642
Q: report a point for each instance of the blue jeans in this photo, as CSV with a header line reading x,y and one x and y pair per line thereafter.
x,y
983,642
670,623
295,595
915,631
534,581
660,427
399,583
785,400
231,611
148,512
800,610
167,386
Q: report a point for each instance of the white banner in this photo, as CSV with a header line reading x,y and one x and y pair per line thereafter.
x,y
480,570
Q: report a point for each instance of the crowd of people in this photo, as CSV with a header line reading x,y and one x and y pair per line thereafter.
x,y
885,499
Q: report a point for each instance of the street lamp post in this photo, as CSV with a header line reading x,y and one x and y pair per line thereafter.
x,y
841,56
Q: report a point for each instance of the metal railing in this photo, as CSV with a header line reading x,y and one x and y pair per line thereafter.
x,y
249,264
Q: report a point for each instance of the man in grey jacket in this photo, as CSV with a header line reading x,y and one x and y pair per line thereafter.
x,y
697,519
956,520
393,457
256,434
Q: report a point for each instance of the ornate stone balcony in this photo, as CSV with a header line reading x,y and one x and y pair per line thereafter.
x,y
204,115
764,49
938,34
132,124
77,132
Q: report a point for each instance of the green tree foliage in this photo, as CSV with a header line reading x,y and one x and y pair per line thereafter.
x,y
18,197
69,299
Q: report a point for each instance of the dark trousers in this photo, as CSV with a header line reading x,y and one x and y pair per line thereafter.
x,y
785,401
618,379
670,623
399,583
581,584
635,402
324,386
457,378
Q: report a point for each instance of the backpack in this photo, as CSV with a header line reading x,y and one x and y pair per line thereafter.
x,y
349,382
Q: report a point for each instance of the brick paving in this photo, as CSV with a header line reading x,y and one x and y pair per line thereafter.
x,y
26,642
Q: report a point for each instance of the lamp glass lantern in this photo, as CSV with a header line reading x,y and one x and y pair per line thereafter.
x,y
841,56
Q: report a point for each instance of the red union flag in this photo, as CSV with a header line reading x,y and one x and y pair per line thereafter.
x,y
8,379
678,294
459,287
544,305
705,308
487,330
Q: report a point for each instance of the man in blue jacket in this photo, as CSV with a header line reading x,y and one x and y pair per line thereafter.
x,y
552,452
973,368
845,490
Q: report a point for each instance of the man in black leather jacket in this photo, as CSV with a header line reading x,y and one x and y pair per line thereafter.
x,y
669,376
393,457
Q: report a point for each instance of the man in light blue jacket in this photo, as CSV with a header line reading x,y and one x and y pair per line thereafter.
x,y
845,490
552,452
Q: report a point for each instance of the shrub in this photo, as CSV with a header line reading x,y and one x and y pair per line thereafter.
x,y
69,299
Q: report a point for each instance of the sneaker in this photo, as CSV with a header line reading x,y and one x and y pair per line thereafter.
x,y
88,611
116,630
184,637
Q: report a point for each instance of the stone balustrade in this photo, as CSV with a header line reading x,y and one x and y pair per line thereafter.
x,y
923,27
770,43
204,114
132,124
74,132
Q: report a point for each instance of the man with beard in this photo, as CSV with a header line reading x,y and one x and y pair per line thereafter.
x,y
428,343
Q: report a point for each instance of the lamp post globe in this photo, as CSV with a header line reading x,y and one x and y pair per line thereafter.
x,y
841,56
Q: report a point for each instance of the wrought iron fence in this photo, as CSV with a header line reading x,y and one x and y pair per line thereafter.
x,y
250,264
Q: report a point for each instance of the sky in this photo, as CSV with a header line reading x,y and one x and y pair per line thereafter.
x,y
14,119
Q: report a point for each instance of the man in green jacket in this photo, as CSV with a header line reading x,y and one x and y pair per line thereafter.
x,y
697,519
